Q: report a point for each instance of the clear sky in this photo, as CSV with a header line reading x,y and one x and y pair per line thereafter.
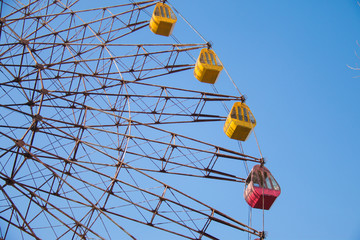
x,y
292,58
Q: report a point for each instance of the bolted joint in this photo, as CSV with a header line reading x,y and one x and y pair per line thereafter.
x,y
30,103
243,98
40,66
19,143
262,235
17,79
37,117
24,41
9,181
44,91
262,161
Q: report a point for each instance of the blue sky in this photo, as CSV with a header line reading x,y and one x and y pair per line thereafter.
x,y
291,59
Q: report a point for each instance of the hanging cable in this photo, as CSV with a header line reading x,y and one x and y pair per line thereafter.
x,y
263,209
199,34
196,31
233,82
250,221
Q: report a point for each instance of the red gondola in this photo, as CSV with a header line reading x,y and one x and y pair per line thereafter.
x,y
261,188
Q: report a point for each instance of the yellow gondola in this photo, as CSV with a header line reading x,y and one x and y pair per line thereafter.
x,y
163,20
240,122
208,66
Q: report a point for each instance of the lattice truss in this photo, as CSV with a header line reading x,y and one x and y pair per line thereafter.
x,y
80,127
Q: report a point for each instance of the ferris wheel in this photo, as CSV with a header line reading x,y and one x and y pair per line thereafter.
x,y
94,116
